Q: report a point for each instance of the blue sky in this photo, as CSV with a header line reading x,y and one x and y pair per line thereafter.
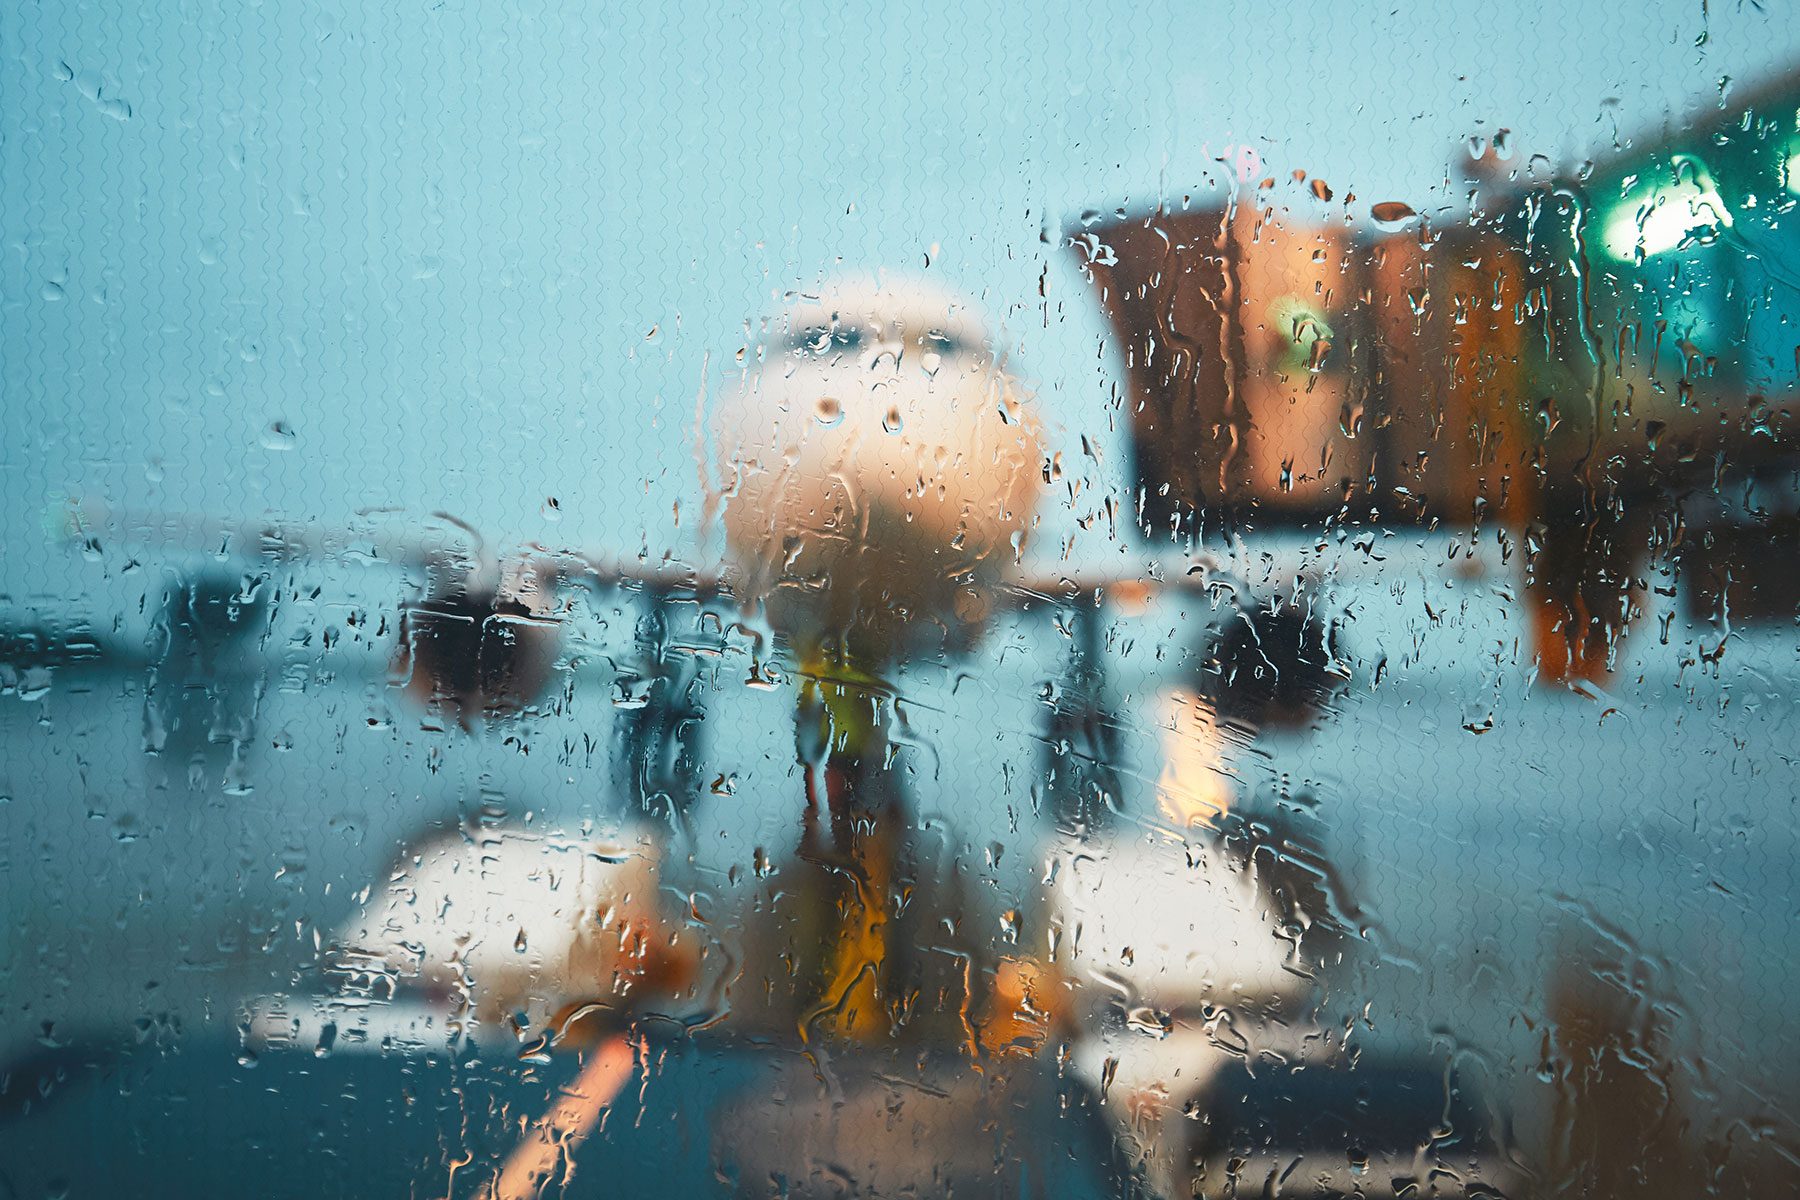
x,y
474,256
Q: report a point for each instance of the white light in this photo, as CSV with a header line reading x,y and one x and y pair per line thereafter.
x,y
1663,218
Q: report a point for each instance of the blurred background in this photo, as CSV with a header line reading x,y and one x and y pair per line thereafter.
x,y
1158,600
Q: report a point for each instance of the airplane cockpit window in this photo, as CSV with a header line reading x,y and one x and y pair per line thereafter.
x,y
899,601
824,341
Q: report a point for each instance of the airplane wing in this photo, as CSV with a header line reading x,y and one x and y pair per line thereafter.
x,y
452,554
455,556
482,603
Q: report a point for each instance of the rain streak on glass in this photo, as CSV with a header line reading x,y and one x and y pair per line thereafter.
x,y
1101,601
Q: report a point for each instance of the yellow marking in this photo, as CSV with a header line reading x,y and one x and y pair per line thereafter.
x,y
553,1140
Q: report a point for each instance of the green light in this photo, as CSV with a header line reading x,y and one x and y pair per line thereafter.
x,y
1302,329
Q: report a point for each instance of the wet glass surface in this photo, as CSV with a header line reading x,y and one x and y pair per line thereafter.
x,y
1071,602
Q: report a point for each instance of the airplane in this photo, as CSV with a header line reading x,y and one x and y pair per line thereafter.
x,y
1263,657
884,468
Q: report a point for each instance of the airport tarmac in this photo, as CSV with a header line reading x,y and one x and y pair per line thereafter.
x,y
1480,826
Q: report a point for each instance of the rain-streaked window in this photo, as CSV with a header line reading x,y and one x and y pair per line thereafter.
x,y
917,601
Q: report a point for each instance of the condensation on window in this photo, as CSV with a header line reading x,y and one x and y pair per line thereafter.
x,y
1101,600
